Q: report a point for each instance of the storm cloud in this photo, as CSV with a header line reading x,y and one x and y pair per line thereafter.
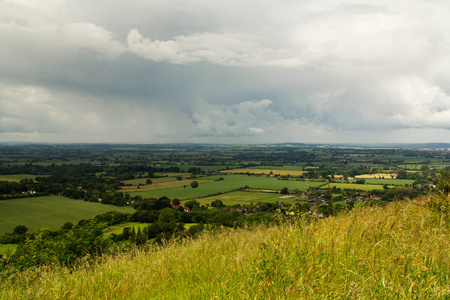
x,y
233,72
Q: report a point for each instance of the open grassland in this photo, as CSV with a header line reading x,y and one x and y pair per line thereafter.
x,y
282,172
16,177
160,178
401,251
51,212
204,168
389,181
163,183
298,167
243,198
354,186
230,183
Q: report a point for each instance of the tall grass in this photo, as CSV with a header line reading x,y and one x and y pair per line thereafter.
x,y
397,251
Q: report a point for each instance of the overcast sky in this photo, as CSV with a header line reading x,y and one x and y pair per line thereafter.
x,y
266,71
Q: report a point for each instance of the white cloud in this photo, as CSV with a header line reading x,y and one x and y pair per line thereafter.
x,y
29,109
92,39
216,48
424,105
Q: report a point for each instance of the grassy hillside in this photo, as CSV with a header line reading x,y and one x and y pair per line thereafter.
x,y
399,251
50,211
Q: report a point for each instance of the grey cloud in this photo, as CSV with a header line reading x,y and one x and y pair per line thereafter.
x,y
157,71
241,119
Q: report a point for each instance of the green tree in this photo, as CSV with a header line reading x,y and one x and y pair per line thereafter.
x,y
194,184
20,229
140,237
402,174
167,215
192,204
63,247
126,234
284,191
67,226
217,203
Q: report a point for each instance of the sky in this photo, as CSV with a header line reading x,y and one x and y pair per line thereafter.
x,y
206,71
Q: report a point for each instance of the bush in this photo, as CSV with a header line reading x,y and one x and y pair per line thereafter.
x,y
63,247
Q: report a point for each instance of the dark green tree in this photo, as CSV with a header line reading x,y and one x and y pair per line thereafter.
x,y
176,202
20,229
192,204
217,203
284,191
140,237
194,184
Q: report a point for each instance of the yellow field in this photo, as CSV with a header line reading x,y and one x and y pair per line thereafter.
x,y
265,171
367,176
380,175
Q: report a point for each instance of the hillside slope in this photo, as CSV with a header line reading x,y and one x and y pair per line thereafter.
x,y
397,251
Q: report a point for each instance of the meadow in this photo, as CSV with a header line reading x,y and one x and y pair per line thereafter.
x,y
230,183
282,172
354,186
246,198
297,167
16,177
50,211
400,251
118,229
157,183
389,181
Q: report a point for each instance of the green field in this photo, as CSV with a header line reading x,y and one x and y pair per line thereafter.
x,y
157,183
204,168
354,186
243,198
230,183
16,177
260,171
165,177
118,229
389,181
51,212
293,168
